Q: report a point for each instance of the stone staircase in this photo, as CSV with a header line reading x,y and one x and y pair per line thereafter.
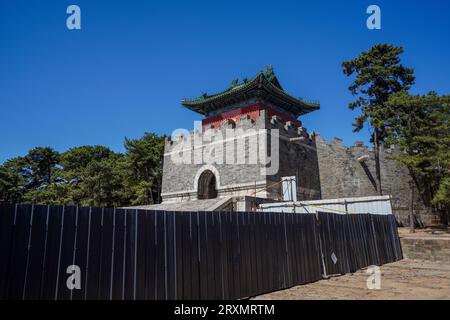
x,y
220,204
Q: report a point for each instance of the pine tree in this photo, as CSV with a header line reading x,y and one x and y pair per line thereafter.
x,y
378,75
420,125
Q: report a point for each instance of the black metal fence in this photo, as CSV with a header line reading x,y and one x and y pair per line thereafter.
x,y
140,254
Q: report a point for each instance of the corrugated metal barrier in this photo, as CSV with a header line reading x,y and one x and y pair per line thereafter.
x,y
141,254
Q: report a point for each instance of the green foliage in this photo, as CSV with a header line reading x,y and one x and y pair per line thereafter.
x,y
8,186
103,183
142,193
443,193
144,159
31,175
41,164
420,125
86,175
77,163
378,74
78,158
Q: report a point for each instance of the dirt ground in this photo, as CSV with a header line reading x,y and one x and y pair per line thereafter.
x,y
406,279
442,232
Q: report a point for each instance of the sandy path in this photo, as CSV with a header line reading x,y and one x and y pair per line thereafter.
x,y
406,279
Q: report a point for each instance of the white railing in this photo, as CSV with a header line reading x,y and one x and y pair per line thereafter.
x,y
373,205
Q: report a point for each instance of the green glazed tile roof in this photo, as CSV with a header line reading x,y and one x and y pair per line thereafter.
x,y
264,85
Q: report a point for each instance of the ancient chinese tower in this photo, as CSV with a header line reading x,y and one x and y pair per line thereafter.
x,y
267,142
251,139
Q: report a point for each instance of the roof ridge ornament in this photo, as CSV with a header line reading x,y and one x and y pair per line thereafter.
x,y
260,78
269,71
263,85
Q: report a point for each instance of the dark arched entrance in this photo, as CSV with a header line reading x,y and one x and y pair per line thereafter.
x,y
207,185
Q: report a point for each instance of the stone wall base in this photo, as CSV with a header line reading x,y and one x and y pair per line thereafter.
x,y
436,249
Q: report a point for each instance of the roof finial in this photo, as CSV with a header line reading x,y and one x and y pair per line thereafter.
x,y
234,83
269,71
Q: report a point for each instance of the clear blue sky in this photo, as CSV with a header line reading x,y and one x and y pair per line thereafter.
x,y
128,68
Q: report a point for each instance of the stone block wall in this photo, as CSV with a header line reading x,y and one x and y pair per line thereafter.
x,y
180,179
342,175
296,158
426,248
323,170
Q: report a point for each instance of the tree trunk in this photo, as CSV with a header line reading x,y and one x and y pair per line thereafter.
x,y
377,161
150,196
412,227
158,190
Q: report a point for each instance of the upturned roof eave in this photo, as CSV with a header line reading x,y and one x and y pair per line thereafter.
x,y
251,89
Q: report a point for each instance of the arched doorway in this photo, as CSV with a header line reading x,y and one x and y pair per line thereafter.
x,y
207,185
